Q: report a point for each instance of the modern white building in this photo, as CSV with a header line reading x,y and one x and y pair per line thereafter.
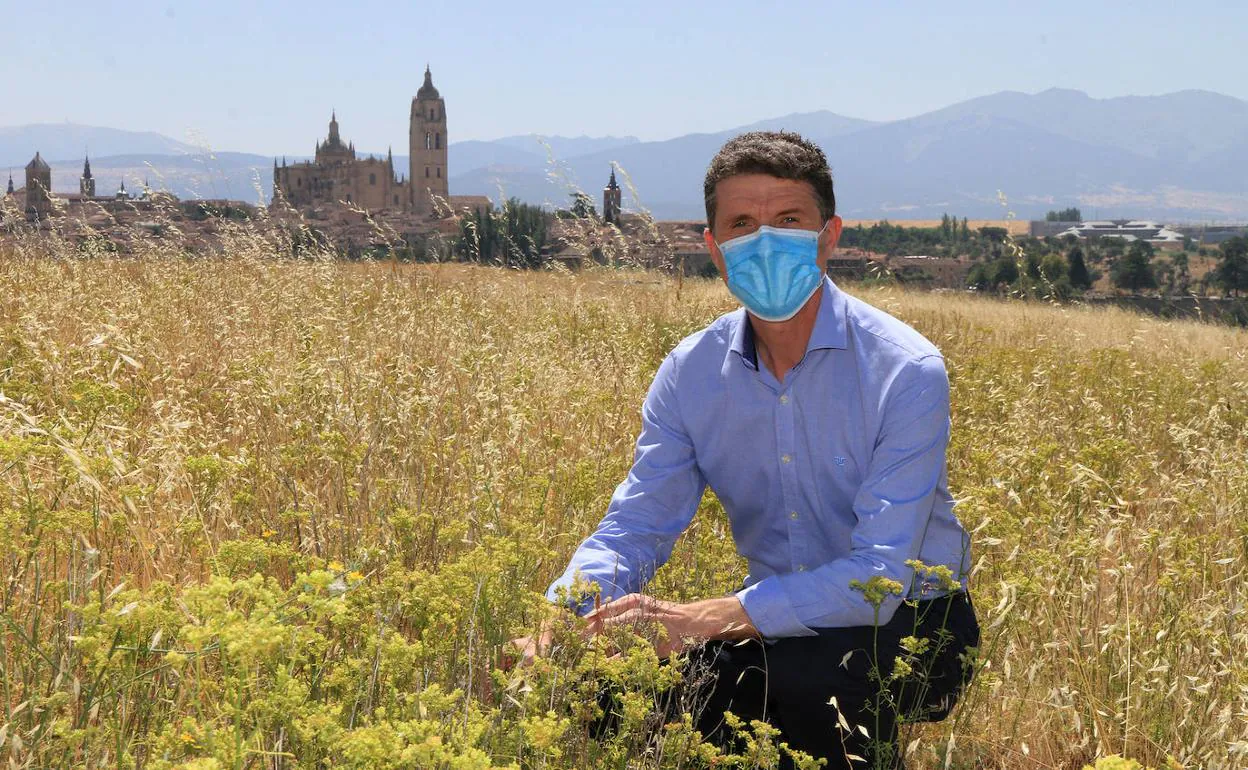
x,y
1127,230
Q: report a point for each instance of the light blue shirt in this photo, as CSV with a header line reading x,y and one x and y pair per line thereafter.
x,y
837,474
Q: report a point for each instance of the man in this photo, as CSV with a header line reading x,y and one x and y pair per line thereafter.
x,y
821,425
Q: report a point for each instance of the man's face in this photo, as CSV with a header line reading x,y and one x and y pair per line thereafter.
x,y
746,202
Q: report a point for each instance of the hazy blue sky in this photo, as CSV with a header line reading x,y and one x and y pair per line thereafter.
x,y
263,76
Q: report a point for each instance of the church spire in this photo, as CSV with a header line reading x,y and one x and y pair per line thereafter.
x,y
10,192
427,90
86,185
611,195
333,128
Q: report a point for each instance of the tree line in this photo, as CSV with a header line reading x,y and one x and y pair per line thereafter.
x,y
952,238
1067,266
1062,267
516,235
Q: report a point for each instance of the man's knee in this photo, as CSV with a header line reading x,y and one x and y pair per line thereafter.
x,y
725,676
946,635
812,687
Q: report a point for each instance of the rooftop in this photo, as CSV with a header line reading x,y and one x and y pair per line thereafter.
x,y
1128,230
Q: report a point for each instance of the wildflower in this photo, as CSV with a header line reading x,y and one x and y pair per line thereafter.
x,y
938,577
1115,762
336,566
915,645
902,668
876,589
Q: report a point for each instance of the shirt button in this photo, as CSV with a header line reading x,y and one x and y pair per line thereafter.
x,y
784,400
786,459
801,568
792,514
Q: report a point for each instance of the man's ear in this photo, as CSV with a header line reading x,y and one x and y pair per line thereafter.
x,y
717,256
831,235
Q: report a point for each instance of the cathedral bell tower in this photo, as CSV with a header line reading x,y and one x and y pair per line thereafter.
x,y
427,152
611,200
38,189
86,184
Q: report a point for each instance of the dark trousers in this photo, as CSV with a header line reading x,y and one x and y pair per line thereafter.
x,y
790,682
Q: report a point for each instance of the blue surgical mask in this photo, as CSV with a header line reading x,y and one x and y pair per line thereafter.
x,y
773,270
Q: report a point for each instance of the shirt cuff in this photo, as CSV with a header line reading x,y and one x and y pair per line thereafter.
x,y
770,610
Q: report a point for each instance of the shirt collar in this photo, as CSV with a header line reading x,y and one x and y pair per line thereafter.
x,y
829,330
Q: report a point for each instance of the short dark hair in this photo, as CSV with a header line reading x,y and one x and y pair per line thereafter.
x,y
781,154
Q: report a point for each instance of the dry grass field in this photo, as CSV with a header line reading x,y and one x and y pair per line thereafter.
x,y
262,513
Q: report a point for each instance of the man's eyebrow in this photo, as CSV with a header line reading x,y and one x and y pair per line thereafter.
x,y
793,210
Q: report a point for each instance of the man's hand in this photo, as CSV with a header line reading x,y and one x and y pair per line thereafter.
x,y
682,624
525,649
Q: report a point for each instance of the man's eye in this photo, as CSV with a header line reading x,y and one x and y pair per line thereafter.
x,y
790,220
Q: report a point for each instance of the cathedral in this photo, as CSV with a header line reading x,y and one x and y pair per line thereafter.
x,y
337,175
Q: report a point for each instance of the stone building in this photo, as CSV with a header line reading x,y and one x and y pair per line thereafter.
x,y
611,201
337,175
37,200
427,143
38,189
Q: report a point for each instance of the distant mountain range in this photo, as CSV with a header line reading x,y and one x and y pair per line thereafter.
x,y
1177,157
65,141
